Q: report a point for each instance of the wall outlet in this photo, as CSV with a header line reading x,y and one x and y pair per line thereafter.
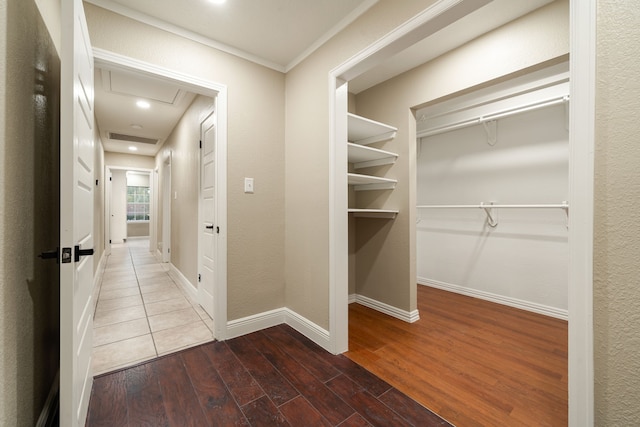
x,y
248,185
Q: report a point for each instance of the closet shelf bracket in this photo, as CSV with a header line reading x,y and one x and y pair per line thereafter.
x,y
488,209
565,208
491,129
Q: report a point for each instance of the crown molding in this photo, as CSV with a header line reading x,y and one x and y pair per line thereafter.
x,y
344,23
182,32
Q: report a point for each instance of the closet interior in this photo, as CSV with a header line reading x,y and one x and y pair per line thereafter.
x,y
492,188
472,201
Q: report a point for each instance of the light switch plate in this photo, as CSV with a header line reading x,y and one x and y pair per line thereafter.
x,y
248,185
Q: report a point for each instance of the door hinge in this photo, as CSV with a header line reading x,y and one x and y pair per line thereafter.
x,y
199,278
109,240
217,230
201,144
110,179
168,250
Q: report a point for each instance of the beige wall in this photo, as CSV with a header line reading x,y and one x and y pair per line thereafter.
x,y
617,216
29,124
183,143
137,229
133,161
255,264
385,262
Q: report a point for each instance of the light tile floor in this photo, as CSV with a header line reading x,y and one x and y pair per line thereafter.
x,y
141,312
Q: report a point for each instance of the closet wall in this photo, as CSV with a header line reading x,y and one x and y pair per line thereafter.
x,y
384,255
522,261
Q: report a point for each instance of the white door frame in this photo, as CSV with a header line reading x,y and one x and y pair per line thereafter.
x,y
107,211
581,146
166,208
218,91
153,221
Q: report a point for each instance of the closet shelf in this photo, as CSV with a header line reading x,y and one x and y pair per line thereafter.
x,y
364,157
368,182
374,213
365,131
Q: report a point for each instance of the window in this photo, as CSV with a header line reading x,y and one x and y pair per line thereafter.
x,y
137,203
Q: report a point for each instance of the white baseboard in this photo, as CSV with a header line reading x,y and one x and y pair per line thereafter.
x,y
558,313
268,319
407,316
97,276
255,323
184,283
309,329
352,298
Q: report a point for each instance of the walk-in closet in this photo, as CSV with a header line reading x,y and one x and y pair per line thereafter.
x,y
458,226
492,189
477,192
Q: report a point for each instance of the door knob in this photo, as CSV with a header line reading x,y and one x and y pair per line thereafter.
x,y
77,253
50,255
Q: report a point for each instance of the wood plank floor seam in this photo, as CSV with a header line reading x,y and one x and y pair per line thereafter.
x,y
280,377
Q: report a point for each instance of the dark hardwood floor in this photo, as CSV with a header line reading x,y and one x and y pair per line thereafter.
x,y
473,362
275,377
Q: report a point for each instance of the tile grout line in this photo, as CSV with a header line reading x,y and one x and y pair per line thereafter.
x,y
144,306
127,258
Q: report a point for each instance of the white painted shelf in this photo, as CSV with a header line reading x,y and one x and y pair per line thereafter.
x,y
364,131
374,213
364,157
368,182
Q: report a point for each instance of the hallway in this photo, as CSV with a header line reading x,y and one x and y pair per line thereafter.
x,y
141,312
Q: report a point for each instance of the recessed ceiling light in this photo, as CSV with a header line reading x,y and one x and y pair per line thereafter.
x,y
135,126
143,104
133,148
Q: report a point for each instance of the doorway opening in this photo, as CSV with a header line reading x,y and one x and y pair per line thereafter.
x,y
128,204
168,194
580,186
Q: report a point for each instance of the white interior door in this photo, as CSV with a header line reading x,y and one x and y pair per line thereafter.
x,y
209,228
76,215
118,218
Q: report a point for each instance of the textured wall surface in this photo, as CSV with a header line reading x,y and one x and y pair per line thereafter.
x,y
29,100
617,216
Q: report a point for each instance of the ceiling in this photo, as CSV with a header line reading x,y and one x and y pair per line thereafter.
x,y
122,124
260,31
275,33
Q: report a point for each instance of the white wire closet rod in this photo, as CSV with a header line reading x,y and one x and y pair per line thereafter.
x,y
563,205
493,116
489,207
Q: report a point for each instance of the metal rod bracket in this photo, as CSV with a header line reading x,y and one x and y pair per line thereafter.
x,y
488,209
